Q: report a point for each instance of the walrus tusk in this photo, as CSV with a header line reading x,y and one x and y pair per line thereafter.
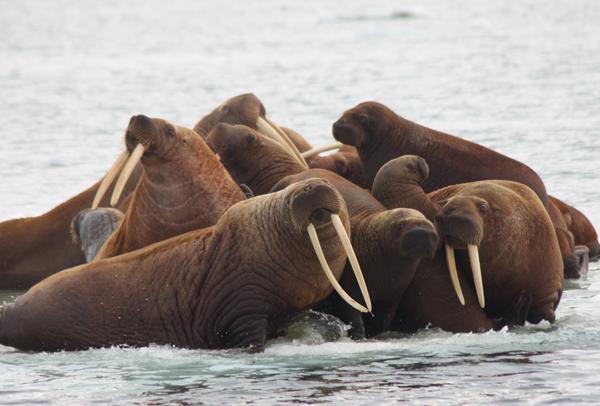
x,y
134,158
316,151
314,239
271,130
476,269
451,260
341,231
109,178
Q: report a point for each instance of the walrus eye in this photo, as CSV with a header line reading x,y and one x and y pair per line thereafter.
x,y
412,168
225,109
483,207
249,139
340,167
363,120
170,130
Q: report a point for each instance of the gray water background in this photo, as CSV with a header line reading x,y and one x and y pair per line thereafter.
x,y
520,77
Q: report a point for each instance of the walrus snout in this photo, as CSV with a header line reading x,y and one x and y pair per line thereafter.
x,y
141,130
218,139
313,201
346,132
420,242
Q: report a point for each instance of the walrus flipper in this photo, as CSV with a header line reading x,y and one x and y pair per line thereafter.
x,y
90,229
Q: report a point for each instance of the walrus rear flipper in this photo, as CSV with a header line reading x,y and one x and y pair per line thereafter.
x,y
90,229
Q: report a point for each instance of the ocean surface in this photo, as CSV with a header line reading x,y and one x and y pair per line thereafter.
x,y
520,77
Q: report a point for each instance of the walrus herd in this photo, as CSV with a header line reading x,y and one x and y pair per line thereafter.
x,y
214,237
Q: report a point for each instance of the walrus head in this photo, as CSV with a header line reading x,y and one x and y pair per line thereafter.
x,y
244,109
247,109
406,233
360,125
410,169
146,139
250,157
461,223
313,205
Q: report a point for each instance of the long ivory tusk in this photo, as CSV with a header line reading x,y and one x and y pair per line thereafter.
x,y
316,151
314,239
476,269
341,231
109,178
134,158
271,130
451,260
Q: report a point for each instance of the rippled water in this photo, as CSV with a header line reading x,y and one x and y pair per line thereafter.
x,y
520,77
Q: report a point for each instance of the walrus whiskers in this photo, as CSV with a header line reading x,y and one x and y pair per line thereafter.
x,y
314,239
316,151
476,270
109,178
134,158
267,128
451,260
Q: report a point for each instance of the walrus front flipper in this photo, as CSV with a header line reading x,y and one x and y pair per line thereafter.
x,y
91,228
248,333
518,313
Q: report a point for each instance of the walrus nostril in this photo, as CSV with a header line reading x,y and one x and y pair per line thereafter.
x,y
307,188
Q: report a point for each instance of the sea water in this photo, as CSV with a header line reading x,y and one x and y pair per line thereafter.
x,y
520,77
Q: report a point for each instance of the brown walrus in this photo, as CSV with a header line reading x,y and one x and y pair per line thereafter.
x,y
380,135
566,243
505,230
230,285
579,225
251,158
247,109
34,248
389,245
183,186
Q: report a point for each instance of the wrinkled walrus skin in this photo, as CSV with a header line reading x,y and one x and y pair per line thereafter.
x,y
519,255
380,135
183,187
389,245
227,286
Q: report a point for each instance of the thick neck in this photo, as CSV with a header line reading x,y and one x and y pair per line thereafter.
x,y
174,197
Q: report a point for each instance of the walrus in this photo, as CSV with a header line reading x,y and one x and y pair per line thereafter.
x,y
413,170
389,245
251,158
580,226
503,229
247,109
183,186
34,248
566,243
345,162
380,135
230,285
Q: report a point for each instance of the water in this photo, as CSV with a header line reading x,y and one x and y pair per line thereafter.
x,y
520,77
